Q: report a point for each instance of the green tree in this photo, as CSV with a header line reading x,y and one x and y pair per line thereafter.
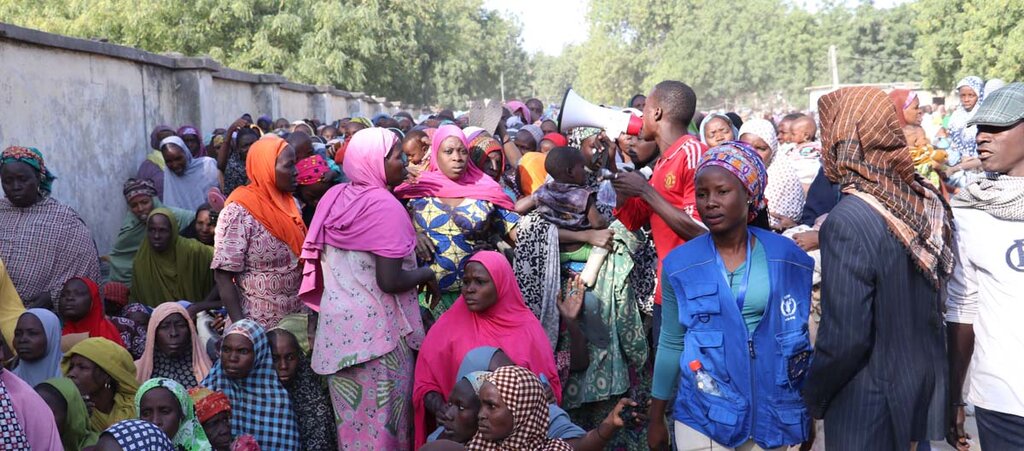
x,y
427,51
875,45
965,37
552,75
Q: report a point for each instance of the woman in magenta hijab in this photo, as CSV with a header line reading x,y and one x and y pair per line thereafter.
x,y
490,312
457,210
359,272
26,421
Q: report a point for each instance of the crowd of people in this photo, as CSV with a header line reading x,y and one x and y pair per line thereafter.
x,y
844,278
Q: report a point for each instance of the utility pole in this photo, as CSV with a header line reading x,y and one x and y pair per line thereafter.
x,y
503,87
834,66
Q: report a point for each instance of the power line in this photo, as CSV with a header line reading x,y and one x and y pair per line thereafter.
x,y
896,60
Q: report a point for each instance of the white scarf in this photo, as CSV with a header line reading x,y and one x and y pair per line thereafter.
x,y
1001,196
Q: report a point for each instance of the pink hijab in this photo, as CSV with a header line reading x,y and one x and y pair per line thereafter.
x,y
473,184
508,325
515,105
25,415
361,215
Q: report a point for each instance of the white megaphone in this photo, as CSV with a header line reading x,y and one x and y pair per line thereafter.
x,y
577,112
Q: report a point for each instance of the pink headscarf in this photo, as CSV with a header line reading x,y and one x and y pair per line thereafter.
x,y
515,105
311,169
472,132
508,325
191,130
473,184
200,359
25,408
361,215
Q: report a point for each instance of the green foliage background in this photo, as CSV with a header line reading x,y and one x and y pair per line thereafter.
x,y
758,53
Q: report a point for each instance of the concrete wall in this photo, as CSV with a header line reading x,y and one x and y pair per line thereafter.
x,y
89,107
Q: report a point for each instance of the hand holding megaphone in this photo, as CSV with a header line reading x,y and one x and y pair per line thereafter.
x,y
577,112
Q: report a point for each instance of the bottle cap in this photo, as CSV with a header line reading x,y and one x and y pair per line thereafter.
x,y
695,366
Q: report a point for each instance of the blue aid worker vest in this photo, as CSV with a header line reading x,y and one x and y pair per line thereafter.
x,y
758,375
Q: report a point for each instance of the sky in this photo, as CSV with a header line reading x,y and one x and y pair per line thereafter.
x,y
549,25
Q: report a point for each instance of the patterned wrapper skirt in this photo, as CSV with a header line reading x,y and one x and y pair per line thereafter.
x,y
372,402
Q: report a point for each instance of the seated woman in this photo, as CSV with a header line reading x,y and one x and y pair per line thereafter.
x,y
166,404
204,226
11,308
141,197
81,309
132,321
44,242
105,374
37,342
27,422
213,410
245,373
464,408
728,295
173,349
168,267
306,390
716,129
784,193
187,179
193,139
69,412
134,435
455,209
490,312
513,413
464,404
152,168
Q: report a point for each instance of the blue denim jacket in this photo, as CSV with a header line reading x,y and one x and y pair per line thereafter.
x,y
759,375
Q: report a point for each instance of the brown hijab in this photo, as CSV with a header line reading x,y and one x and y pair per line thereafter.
x,y
865,152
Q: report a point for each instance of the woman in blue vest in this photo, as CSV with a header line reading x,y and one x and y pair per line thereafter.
x,y
734,345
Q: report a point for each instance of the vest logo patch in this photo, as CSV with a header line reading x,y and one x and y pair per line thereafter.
x,y
788,307
1015,256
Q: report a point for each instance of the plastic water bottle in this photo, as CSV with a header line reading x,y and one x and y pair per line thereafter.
x,y
704,381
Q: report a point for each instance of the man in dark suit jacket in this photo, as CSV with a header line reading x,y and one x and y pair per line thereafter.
x,y
878,376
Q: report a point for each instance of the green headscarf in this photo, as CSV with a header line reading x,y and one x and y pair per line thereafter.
x,y
116,362
191,435
182,272
130,238
34,158
75,434
297,325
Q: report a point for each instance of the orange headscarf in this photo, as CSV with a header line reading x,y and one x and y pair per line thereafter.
x,y
273,208
531,172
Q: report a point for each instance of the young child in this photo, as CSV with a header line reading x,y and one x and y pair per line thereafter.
x,y
565,201
928,161
416,147
550,141
806,153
